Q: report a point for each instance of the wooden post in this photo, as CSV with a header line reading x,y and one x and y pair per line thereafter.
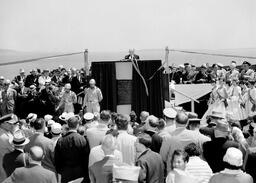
x,y
192,106
86,62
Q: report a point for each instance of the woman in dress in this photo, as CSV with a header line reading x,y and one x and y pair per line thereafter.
x,y
250,101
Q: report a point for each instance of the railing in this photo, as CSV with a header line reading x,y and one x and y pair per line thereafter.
x,y
191,99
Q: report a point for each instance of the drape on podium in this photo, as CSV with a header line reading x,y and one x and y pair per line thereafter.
x,y
153,103
105,75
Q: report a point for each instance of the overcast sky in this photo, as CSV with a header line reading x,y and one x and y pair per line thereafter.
x,y
115,25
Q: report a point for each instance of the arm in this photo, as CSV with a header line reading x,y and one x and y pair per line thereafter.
x,y
143,171
100,97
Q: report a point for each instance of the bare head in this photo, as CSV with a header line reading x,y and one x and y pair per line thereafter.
x,y
109,144
181,118
143,116
36,153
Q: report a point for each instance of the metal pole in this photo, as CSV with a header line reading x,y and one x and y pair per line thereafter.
x,y
192,106
86,62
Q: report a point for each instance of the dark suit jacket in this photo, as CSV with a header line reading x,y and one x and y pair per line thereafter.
x,y
101,171
31,80
214,151
152,167
71,157
75,85
38,139
32,174
13,160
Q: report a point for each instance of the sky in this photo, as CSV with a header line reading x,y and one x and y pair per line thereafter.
x,y
118,25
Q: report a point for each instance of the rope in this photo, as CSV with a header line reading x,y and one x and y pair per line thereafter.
x,y
213,54
39,58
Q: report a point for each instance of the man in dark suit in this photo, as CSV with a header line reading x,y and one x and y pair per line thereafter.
x,y
16,158
34,172
213,151
31,79
151,163
38,139
102,171
21,77
21,102
71,154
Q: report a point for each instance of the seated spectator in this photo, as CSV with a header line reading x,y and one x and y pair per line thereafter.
x,y
151,163
34,172
233,160
196,166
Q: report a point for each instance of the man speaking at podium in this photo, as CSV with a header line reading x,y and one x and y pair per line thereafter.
x,y
92,97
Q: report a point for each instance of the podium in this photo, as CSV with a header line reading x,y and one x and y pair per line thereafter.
x,y
123,88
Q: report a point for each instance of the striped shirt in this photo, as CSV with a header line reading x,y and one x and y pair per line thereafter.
x,y
199,168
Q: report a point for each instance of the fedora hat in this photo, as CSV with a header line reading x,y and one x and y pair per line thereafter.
x,y
9,118
217,114
19,139
222,126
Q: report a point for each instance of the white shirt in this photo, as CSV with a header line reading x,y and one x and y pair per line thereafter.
x,y
125,144
97,154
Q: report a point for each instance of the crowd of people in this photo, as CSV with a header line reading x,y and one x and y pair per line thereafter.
x,y
53,130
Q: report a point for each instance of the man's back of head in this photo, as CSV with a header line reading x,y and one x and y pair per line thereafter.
x,y
109,144
36,153
181,118
105,116
73,123
143,116
121,122
39,124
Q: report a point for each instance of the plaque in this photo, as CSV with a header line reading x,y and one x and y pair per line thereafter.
x,y
124,92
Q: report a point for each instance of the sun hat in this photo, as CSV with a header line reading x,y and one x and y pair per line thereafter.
x,y
56,128
170,113
9,118
88,116
19,139
31,117
233,157
222,126
48,117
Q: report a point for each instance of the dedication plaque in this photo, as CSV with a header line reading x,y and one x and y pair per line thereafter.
x,y
124,92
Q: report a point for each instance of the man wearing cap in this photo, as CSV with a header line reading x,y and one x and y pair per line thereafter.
x,y
246,73
56,130
213,151
31,79
89,120
16,158
8,125
170,115
8,98
92,98
233,160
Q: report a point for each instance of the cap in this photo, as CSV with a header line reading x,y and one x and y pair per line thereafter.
x,y
88,116
130,173
19,138
247,63
170,113
56,128
222,126
47,117
9,118
233,157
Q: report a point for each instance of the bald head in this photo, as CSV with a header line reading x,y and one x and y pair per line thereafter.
x,y
109,144
182,118
36,153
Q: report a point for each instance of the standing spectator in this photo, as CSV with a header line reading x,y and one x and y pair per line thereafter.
x,y
233,161
21,102
71,154
250,104
8,124
125,141
151,163
196,166
102,171
93,97
97,133
38,139
213,151
16,158
8,99
56,132
180,137
170,115
34,172
246,73
68,99
44,78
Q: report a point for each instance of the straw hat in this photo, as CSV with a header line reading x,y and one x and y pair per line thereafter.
x,y
233,157
222,126
31,117
88,116
19,139
170,113
217,114
9,118
48,117
56,128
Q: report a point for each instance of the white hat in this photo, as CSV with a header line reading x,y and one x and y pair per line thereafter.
x,y
170,113
220,64
19,139
50,123
234,157
92,81
126,172
63,116
22,70
88,116
2,77
56,128
32,117
47,117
